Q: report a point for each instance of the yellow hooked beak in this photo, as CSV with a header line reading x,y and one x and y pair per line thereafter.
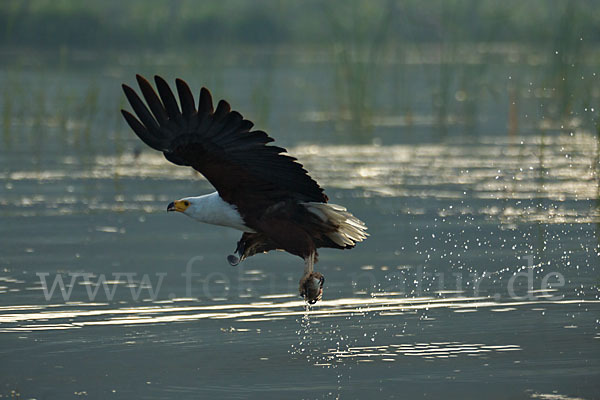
x,y
178,205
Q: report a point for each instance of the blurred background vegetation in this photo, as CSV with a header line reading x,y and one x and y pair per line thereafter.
x,y
367,69
154,24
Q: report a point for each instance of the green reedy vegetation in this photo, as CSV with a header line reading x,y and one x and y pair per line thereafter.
x,y
116,24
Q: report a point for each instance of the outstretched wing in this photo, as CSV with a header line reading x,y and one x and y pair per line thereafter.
x,y
219,144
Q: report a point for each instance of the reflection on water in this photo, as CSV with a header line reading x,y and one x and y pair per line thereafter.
x,y
430,351
492,168
74,315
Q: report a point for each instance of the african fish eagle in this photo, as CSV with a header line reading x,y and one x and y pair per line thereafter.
x,y
261,191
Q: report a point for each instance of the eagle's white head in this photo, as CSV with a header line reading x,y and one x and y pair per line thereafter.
x,y
211,209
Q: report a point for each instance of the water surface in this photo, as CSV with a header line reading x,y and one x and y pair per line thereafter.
x,y
479,279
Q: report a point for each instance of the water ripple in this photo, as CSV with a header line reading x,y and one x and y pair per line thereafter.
x,y
78,315
493,168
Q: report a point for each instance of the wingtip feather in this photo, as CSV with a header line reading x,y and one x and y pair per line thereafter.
x,y
142,81
205,103
186,98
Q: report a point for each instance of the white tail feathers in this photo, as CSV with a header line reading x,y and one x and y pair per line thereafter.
x,y
350,229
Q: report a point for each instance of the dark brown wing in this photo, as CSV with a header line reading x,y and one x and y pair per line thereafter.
x,y
219,144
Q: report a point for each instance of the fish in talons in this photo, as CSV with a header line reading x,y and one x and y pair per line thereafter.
x,y
311,287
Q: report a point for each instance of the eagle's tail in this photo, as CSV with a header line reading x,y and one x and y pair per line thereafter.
x,y
345,229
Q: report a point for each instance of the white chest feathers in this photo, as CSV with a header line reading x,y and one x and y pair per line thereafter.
x,y
212,209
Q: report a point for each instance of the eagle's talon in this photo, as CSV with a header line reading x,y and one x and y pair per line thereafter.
x,y
233,260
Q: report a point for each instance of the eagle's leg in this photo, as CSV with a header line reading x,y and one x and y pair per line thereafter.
x,y
250,244
311,283
309,264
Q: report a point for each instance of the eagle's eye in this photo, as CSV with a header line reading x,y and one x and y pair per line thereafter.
x,y
186,203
